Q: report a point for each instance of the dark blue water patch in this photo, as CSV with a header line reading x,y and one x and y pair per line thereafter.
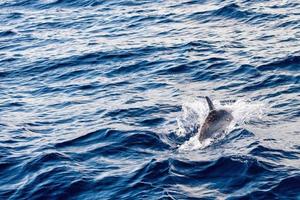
x,y
293,24
133,68
144,18
38,4
43,189
12,166
153,170
44,160
4,61
191,2
71,4
150,86
91,86
203,76
117,84
8,33
290,63
124,140
238,134
17,3
230,86
49,25
286,5
119,55
63,3
177,69
152,122
166,108
216,66
46,65
148,178
135,99
273,154
225,174
293,89
231,11
294,115
197,45
246,70
286,104
45,90
270,81
288,188
12,104
37,124
11,16
259,18
236,12
38,129
113,151
87,138
70,75
131,112
128,3
143,140
138,112
6,46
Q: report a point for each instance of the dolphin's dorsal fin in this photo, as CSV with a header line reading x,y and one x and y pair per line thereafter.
x,y
210,104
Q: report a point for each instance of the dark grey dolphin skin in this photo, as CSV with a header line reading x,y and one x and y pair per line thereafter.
x,y
216,121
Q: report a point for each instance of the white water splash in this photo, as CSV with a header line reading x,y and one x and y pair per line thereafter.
x,y
194,113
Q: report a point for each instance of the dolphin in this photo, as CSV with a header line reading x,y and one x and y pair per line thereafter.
x,y
215,123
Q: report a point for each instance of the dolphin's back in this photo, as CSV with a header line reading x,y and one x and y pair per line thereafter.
x,y
215,123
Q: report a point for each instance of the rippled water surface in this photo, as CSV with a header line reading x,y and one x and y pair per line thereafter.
x,y
103,99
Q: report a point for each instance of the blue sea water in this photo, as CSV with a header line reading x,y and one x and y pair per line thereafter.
x,y
103,99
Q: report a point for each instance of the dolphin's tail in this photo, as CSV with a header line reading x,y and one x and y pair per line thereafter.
x,y
210,104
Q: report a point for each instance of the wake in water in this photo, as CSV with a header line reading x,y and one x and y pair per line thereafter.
x,y
195,111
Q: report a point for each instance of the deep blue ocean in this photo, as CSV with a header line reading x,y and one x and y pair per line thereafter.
x,y
103,99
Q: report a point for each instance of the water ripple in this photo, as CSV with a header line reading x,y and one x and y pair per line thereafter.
x,y
104,99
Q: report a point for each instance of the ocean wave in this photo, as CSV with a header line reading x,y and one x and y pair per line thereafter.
x,y
290,63
104,99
